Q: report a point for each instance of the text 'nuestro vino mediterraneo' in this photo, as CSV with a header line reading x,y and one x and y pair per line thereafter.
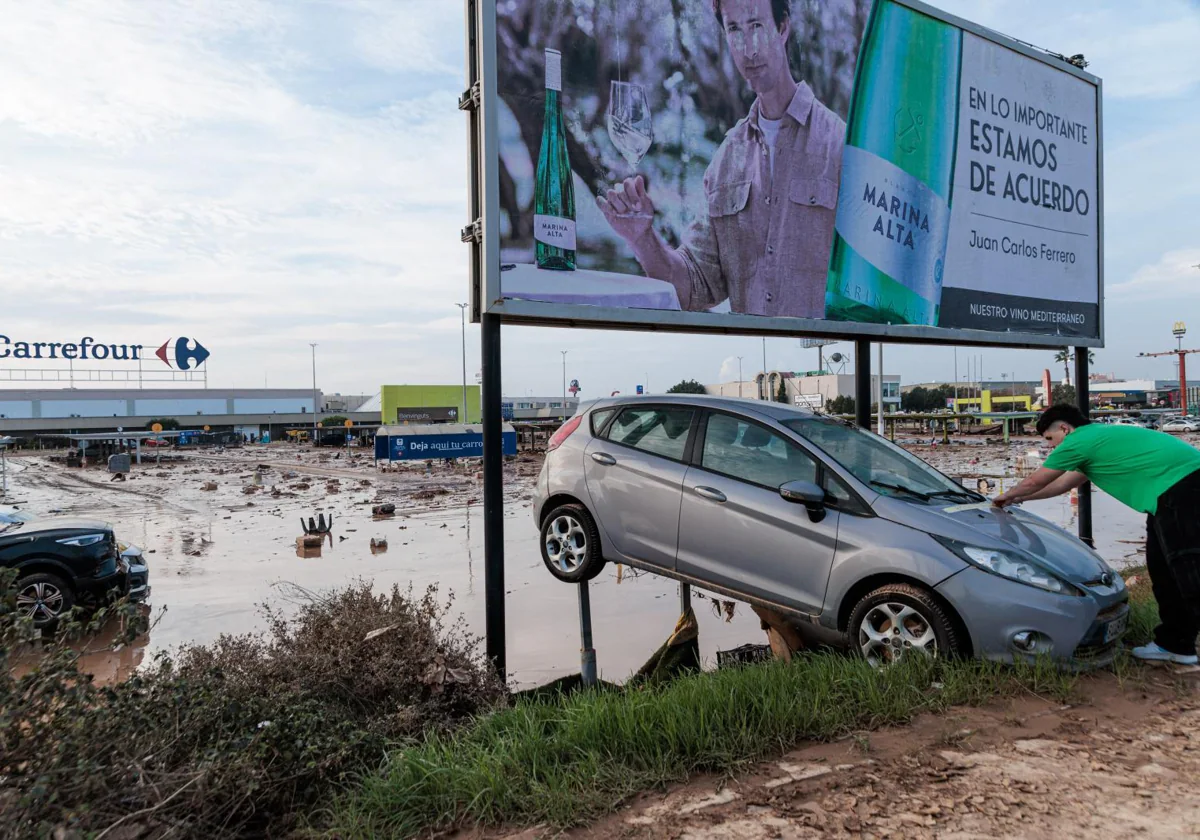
x,y
893,214
554,192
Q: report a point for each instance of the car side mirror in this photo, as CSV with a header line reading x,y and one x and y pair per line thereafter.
x,y
806,493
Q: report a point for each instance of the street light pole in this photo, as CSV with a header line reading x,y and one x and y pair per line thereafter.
x,y
739,377
466,418
316,408
564,395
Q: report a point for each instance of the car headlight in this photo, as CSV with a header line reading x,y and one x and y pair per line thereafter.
x,y
84,541
1011,565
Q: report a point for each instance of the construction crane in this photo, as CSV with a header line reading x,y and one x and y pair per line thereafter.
x,y
1179,331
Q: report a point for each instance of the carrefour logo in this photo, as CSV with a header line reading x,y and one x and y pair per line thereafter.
x,y
187,354
186,357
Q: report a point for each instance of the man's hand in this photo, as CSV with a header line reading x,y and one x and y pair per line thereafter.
x,y
628,209
1004,500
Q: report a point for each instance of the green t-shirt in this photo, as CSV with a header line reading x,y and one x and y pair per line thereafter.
x,y
1129,463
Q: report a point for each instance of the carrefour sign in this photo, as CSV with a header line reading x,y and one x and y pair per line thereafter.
x,y
182,353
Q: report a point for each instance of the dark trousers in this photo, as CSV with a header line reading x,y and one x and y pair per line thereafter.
x,y
1173,561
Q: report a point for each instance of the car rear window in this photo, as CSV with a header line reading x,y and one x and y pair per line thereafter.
x,y
660,431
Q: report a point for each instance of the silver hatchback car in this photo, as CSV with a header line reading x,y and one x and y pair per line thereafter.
x,y
823,521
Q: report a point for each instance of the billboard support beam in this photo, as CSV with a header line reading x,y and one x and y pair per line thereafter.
x,y
493,498
862,383
1083,400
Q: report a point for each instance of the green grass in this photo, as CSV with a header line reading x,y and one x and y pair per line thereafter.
x,y
1143,610
569,760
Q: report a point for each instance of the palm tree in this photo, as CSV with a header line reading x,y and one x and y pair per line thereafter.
x,y
1066,357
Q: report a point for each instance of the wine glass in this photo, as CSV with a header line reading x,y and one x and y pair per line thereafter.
x,y
629,122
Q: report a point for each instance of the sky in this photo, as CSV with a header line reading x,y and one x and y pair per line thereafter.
x,y
260,175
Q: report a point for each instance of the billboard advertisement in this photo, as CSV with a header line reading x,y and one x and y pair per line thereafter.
x,y
843,167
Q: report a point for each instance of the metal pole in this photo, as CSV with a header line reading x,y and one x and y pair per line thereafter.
x,y
466,417
1183,403
739,377
4,469
1083,400
564,398
862,383
879,390
768,396
493,496
685,598
956,379
587,654
316,409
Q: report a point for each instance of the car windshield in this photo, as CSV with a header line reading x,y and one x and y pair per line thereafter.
x,y
879,463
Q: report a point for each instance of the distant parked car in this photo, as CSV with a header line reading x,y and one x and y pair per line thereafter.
x,y
823,521
63,561
1181,424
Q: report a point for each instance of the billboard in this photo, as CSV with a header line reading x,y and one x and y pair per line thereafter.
x,y
845,167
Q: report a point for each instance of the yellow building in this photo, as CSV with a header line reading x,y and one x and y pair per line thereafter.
x,y
428,404
990,402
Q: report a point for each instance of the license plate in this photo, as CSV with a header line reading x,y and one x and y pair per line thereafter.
x,y
1116,628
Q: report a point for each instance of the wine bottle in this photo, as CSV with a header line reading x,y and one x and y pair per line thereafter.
x,y
893,214
554,192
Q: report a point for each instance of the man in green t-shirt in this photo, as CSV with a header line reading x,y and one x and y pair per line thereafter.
x,y
1151,472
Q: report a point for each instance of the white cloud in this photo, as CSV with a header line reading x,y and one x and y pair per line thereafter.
x,y
1176,275
1140,50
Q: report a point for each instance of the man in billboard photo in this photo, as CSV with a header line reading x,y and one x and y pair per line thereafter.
x,y
762,237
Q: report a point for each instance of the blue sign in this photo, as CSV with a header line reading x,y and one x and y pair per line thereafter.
x,y
421,447
506,411
639,390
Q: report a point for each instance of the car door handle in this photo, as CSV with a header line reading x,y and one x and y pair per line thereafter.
x,y
602,458
710,494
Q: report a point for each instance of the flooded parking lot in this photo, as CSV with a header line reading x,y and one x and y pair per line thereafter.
x,y
215,554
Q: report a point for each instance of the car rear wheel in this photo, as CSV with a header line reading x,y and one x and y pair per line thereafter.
x,y
900,619
44,599
571,544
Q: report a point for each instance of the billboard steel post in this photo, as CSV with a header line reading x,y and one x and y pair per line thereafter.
x,y
493,498
862,382
1083,400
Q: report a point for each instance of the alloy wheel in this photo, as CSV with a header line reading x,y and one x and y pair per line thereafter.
x,y
566,543
40,601
891,629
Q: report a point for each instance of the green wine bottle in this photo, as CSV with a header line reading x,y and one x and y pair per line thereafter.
x,y
554,192
893,215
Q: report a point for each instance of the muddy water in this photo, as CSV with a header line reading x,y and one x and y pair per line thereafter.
x,y
216,555
215,560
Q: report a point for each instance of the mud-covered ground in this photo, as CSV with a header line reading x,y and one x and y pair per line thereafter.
x,y
220,529
1120,759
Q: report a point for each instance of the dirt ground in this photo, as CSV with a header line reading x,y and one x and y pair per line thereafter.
x,y
1119,760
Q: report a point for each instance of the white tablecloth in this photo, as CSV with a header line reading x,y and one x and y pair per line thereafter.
x,y
595,288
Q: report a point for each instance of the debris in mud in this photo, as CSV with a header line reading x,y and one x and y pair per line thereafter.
x,y
250,489
301,486
379,545
384,510
209,485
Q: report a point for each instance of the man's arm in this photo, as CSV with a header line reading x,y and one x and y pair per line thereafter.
x,y
1043,484
630,211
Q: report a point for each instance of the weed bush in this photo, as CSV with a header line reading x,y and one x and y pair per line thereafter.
x,y
240,737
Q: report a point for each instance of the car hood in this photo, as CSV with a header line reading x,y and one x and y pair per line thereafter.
x,y
989,527
64,524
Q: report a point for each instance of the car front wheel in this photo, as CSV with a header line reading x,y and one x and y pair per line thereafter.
x,y
44,599
898,619
571,544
